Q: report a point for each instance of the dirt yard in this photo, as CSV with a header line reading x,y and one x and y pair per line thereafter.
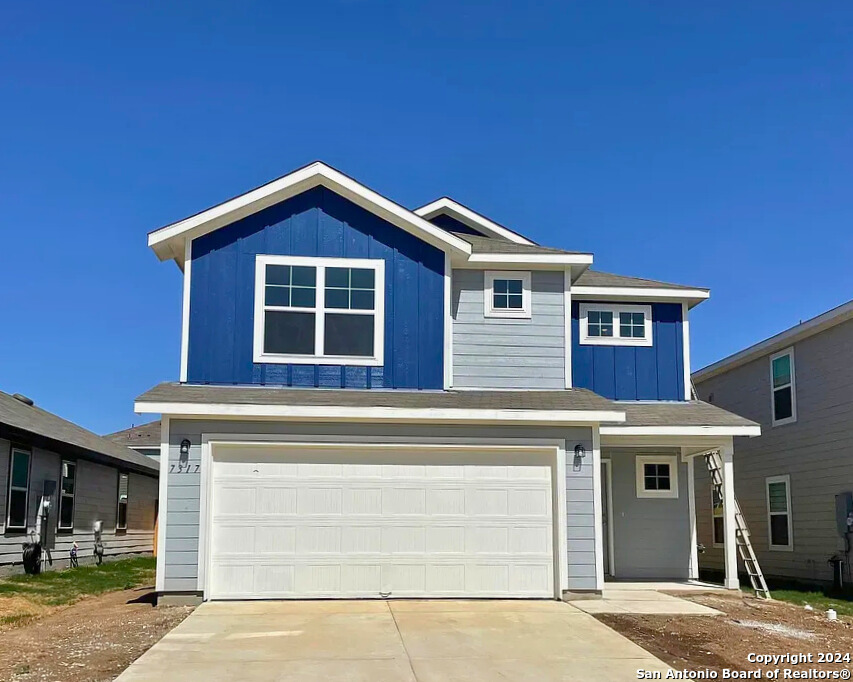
x,y
749,626
92,640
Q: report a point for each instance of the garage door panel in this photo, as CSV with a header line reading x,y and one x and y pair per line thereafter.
x,y
351,529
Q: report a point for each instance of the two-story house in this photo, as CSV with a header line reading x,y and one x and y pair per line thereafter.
x,y
795,482
380,402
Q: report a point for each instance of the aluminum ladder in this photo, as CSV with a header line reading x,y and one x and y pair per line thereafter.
x,y
744,544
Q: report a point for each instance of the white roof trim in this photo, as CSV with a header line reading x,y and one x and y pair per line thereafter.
x,y
168,241
694,295
380,414
521,259
470,218
681,430
781,340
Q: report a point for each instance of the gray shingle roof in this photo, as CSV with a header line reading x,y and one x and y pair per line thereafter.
x,y
570,399
596,278
144,435
494,245
688,413
65,437
693,413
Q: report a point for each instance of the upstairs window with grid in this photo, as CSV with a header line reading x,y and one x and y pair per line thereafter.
x,y
609,324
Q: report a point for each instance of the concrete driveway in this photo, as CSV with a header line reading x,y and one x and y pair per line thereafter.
x,y
378,641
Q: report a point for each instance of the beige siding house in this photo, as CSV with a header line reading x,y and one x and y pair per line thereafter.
x,y
83,477
799,386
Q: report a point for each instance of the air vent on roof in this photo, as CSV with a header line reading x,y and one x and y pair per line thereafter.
x,y
23,399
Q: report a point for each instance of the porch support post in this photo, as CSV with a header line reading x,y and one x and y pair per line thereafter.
x,y
730,543
596,508
693,566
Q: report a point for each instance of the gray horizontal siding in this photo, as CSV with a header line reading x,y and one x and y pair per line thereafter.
x,y
508,353
182,529
816,452
96,499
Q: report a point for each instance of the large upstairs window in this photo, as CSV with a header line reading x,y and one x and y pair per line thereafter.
x,y
319,310
606,324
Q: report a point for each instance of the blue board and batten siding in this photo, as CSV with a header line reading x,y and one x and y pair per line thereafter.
x,y
653,372
315,223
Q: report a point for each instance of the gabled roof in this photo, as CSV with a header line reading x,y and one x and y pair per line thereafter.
x,y
472,219
142,436
601,285
28,424
488,245
169,242
790,336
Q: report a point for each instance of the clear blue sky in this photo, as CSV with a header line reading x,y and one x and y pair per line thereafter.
x,y
678,141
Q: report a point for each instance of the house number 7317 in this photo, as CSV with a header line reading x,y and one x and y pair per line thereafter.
x,y
185,468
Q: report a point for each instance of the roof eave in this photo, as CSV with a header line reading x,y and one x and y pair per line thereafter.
x,y
790,336
169,242
472,219
692,297
324,413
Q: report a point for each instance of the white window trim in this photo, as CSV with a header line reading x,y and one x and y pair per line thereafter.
x,y
377,265
526,311
721,515
63,495
126,502
788,420
10,488
614,340
639,465
786,479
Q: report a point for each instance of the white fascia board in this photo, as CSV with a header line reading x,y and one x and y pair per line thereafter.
x,y
781,340
470,218
681,430
381,414
523,260
692,296
163,240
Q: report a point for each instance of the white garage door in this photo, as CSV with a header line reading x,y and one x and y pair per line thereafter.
x,y
309,523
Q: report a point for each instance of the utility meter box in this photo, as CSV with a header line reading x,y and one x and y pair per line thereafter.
x,y
844,513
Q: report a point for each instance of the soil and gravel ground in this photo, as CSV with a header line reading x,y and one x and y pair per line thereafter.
x,y
92,640
749,626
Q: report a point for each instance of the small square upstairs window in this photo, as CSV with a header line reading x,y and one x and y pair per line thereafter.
x,y
319,310
607,324
507,294
783,388
657,476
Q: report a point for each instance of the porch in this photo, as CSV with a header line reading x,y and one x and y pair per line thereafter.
x,y
647,495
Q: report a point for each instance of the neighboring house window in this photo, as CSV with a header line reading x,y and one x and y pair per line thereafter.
x,y
779,524
19,486
783,387
319,310
507,294
717,517
615,325
657,476
121,515
66,495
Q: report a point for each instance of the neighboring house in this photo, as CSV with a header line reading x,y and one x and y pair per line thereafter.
x,y
381,402
144,439
799,386
92,479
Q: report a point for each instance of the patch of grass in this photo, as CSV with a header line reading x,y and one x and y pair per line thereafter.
x,y
821,601
16,619
56,588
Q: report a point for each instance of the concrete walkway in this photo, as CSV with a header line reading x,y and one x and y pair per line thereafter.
x,y
378,641
637,598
